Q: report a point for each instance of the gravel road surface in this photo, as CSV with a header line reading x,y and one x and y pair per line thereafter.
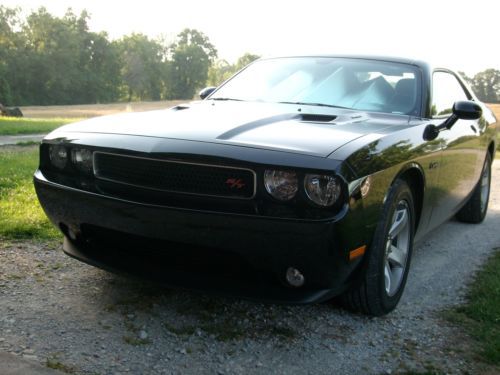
x,y
82,320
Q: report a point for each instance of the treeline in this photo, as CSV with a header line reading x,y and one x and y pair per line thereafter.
x,y
56,60
485,84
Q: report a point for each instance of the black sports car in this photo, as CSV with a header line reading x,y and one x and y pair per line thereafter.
x,y
298,179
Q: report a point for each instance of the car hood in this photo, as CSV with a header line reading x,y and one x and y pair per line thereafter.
x,y
311,130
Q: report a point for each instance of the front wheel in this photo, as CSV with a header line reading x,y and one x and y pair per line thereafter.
x,y
388,260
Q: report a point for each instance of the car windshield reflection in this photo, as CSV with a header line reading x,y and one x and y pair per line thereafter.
x,y
357,84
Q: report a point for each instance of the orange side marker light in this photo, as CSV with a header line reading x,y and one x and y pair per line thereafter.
x,y
356,253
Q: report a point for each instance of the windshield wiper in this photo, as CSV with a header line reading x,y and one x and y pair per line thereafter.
x,y
316,104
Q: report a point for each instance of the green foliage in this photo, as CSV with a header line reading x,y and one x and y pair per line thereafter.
x,y
221,70
20,213
142,65
485,84
16,125
480,316
47,60
51,60
5,94
192,54
244,60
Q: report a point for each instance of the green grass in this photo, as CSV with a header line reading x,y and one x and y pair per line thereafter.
x,y
55,364
480,315
21,216
135,341
17,126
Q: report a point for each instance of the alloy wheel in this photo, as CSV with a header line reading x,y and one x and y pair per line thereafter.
x,y
397,247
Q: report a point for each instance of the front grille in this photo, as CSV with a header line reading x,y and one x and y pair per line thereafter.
x,y
175,176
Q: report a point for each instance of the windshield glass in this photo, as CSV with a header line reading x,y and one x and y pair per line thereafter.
x,y
359,84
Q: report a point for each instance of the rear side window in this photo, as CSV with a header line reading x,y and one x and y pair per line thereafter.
x,y
446,90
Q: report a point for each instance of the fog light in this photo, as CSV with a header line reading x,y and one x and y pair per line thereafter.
x,y
294,277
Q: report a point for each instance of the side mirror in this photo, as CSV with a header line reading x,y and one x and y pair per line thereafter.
x,y
462,110
467,110
206,91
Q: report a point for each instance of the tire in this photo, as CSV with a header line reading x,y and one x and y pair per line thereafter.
x,y
476,207
388,260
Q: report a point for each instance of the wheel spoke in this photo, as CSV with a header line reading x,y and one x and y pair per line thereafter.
x,y
397,247
387,277
400,222
397,256
486,175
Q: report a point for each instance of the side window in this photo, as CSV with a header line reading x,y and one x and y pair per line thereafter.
x,y
446,90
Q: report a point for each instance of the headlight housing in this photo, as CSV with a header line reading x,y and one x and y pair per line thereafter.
x,y
82,158
282,185
323,190
58,156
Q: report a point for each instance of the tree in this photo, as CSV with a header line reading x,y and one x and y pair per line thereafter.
x,y
141,61
9,46
191,57
244,60
102,70
486,85
221,70
218,72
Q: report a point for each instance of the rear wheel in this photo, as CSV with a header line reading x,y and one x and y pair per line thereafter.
x,y
476,207
388,260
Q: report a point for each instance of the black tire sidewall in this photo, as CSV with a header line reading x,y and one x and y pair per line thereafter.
x,y
487,164
376,282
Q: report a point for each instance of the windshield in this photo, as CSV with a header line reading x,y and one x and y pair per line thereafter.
x,y
359,84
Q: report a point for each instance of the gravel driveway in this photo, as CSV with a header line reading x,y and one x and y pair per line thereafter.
x,y
87,321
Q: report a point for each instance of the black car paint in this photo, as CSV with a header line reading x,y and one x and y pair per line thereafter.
x,y
365,149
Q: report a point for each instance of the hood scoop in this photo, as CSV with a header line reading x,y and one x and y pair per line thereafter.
x,y
180,107
310,117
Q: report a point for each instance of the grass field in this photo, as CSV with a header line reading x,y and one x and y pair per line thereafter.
x,y
41,120
480,315
93,110
21,216
18,126
495,108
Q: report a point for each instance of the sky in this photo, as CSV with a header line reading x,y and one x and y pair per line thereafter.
x,y
453,34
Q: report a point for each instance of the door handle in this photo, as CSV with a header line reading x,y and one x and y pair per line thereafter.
x,y
473,128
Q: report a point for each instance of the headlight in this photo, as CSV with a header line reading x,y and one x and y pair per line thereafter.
x,y
58,156
282,185
323,190
82,159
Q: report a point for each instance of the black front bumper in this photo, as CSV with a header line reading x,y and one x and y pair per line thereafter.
x,y
233,254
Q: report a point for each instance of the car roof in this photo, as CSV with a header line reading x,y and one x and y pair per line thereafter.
x,y
395,59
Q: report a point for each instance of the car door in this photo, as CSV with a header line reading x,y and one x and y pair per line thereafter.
x,y
458,167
